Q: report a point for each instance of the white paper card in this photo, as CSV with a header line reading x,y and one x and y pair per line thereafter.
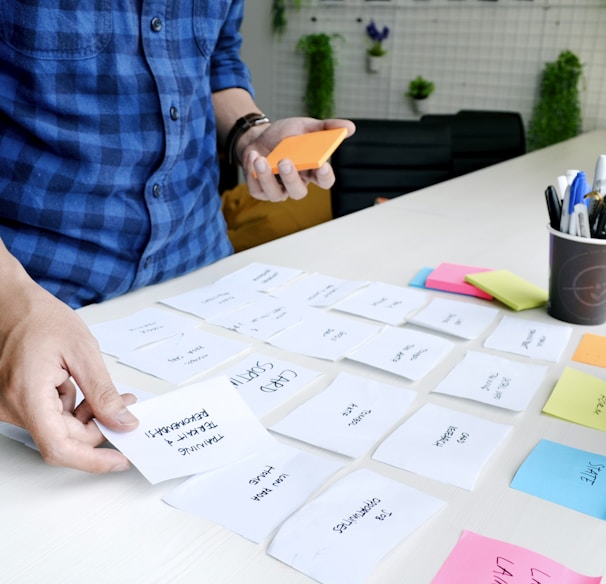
x,y
261,319
493,380
193,429
318,290
342,534
443,444
179,358
266,382
261,277
460,319
349,416
209,301
383,302
254,496
529,338
326,336
144,327
406,352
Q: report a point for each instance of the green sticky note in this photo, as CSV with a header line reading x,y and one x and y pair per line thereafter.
x,y
510,289
580,398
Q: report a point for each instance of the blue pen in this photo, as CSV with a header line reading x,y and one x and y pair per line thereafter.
x,y
578,190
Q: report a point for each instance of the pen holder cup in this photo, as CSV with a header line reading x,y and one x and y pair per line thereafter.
x,y
577,278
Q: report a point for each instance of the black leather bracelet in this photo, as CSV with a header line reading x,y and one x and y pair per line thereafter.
x,y
242,125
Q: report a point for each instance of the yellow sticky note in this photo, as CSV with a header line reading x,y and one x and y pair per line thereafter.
x,y
510,289
591,350
580,398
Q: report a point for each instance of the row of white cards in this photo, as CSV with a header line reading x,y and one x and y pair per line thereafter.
x,y
242,477
172,347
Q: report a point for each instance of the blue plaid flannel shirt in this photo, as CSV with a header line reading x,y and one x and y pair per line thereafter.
x,y
108,162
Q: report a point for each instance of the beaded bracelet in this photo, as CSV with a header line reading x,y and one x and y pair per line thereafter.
x,y
242,125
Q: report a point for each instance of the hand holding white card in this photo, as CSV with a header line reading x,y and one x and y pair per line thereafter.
x,y
190,430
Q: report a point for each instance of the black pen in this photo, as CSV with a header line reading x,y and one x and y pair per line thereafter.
x,y
554,206
600,224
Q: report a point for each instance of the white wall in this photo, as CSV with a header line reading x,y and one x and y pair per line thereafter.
x,y
481,54
257,50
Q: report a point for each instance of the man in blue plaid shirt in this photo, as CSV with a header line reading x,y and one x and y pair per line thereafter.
x,y
110,112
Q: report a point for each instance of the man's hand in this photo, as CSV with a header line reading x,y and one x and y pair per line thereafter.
x,y
258,142
44,343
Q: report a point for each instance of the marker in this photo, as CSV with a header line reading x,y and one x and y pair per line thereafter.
x,y
581,220
599,178
565,217
554,206
562,183
594,203
598,232
578,190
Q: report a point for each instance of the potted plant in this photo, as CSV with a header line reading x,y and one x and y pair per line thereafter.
x,y
375,51
419,90
557,115
320,65
278,15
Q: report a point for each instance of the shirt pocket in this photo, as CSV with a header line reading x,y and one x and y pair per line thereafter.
x,y
55,29
209,17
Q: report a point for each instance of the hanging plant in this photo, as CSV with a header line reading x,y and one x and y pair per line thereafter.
x,y
278,15
320,65
557,115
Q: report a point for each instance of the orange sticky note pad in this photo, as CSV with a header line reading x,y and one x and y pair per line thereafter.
x,y
307,151
591,350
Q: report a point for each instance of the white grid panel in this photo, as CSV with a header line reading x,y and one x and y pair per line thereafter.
x,y
481,54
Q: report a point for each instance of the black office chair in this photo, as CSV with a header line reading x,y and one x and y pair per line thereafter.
x,y
388,158
482,138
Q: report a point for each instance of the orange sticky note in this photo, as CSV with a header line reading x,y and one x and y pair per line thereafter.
x,y
591,350
307,151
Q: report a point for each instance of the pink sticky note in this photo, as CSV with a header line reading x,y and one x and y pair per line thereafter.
x,y
451,278
480,559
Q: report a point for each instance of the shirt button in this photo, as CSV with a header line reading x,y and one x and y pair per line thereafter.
x,y
174,113
156,24
157,191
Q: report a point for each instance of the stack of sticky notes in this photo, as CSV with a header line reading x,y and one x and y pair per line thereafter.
x,y
508,288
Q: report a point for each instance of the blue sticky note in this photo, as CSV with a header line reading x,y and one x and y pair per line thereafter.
x,y
420,278
567,476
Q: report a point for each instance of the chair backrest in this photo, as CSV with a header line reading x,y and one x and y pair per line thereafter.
x,y
388,158
482,138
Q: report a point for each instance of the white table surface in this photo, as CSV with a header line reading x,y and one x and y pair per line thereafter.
x,y
63,526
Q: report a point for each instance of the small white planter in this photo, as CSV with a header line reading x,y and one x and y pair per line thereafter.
x,y
374,64
420,106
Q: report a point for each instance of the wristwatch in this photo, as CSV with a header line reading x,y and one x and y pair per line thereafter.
x,y
241,126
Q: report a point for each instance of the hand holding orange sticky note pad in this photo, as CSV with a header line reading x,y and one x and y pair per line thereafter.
x,y
307,151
